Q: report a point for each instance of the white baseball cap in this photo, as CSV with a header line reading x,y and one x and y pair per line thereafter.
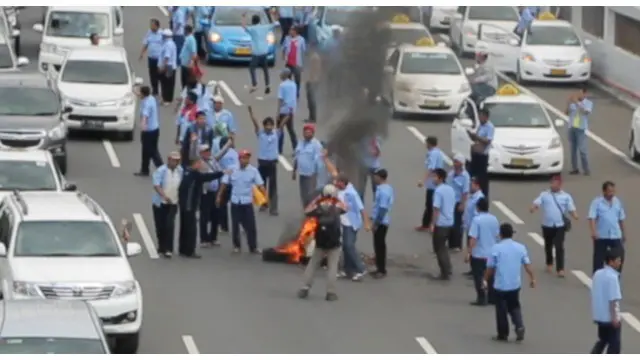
x,y
167,32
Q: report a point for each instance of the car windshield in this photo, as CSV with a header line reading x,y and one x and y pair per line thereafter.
x,y
232,16
6,60
552,36
429,63
95,72
341,15
493,13
517,115
24,101
407,36
27,176
77,24
66,239
51,346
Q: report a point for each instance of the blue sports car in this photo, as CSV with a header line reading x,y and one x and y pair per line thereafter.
x,y
228,41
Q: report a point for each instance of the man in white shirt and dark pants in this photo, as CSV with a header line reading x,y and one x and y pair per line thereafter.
x,y
605,304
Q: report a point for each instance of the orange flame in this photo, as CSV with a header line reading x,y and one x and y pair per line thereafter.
x,y
296,249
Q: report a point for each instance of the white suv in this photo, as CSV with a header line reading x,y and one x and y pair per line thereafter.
x,y
62,245
30,170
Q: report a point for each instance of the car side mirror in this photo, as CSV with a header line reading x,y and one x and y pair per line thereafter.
x,y
38,28
23,61
559,123
133,249
466,123
70,187
118,31
469,71
513,42
588,42
388,69
3,250
67,109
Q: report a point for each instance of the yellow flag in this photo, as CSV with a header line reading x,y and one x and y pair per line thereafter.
x,y
259,198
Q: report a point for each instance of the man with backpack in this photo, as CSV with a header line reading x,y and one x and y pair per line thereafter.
x,y
326,209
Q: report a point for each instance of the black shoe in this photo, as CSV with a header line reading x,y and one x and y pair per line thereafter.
x,y
519,334
141,174
267,90
303,293
500,338
478,303
331,297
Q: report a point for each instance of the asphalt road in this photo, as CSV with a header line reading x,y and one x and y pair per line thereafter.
x,y
237,304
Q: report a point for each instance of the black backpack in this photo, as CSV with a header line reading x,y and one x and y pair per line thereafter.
x,y
327,233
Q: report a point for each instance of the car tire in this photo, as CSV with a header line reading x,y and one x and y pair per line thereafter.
x,y
62,165
127,135
127,344
633,152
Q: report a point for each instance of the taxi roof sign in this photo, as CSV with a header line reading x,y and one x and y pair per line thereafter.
x,y
400,19
547,16
508,90
426,41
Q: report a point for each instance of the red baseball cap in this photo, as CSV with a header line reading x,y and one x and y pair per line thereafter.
x,y
310,127
244,153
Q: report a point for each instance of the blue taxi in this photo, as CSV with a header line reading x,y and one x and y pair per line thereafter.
x,y
228,41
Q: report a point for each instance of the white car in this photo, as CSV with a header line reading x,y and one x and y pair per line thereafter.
x,y
98,83
403,31
425,79
69,27
465,22
634,137
30,170
550,52
525,141
63,246
441,17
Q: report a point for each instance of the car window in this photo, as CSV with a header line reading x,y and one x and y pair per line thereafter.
x,y
95,72
429,63
51,346
26,176
393,59
77,24
24,101
552,36
232,16
493,13
407,36
517,115
66,239
6,58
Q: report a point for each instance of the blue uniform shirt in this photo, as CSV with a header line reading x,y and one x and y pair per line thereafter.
x,y
322,174
444,199
486,130
203,14
223,116
242,182
507,258
382,203
286,12
288,95
607,216
354,206
230,160
470,211
158,179
550,204
189,50
369,145
605,288
268,144
179,19
461,183
433,160
169,54
259,44
485,228
578,119
149,110
301,50
153,41
306,156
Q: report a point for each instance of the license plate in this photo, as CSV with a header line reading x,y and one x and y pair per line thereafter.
x,y
433,104
243,51
93,124
521,162
558,72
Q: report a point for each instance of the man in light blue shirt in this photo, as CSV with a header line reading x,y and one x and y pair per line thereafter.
x,y
484,233
605,305
166,182
505,266
152,46
579,109
555,205
307,153
606,222
482,139
261,39
433,160
167,64
526,18
285,18
381,219
149,131
444,202
179,16
188,55
460,181
287,104
470,211
202,23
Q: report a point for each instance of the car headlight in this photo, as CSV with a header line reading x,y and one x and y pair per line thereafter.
x,y
271,38
585,59
555,143
25,288
58,132
469,31
464,88
215,37
128,100
124,288
528,57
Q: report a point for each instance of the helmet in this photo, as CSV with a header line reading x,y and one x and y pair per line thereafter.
x,y
329,190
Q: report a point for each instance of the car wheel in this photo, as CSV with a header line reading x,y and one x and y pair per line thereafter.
x,y
127,344
633,152
127,135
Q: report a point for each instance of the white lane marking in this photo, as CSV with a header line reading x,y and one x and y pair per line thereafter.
x,y
600,141
426,345
230,93
508,213
285,163
163,10
190,344
111,153
631,320
537,238
584,278
147,240
420,136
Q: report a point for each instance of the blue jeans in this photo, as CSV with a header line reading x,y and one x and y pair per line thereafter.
x,y
578,143
352,261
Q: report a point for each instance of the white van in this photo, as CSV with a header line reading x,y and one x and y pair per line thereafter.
x,y
69,27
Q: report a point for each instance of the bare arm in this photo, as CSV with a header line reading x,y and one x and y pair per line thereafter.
x,y
256,127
